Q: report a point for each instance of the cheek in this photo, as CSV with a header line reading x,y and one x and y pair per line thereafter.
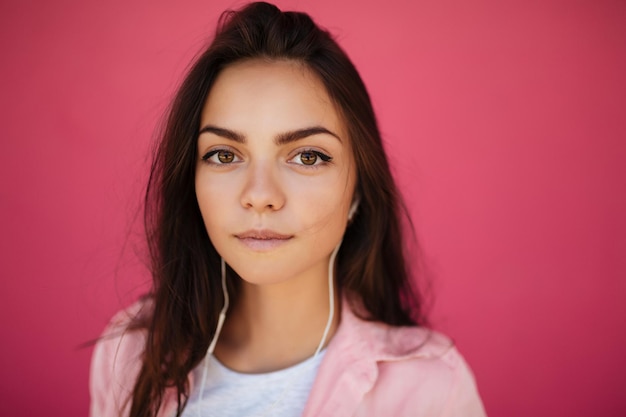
x,y
320,206
214,201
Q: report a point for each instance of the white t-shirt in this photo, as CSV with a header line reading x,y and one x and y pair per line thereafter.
x,y
228,393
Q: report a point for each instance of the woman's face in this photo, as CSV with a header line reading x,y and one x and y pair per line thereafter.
x,y
275,176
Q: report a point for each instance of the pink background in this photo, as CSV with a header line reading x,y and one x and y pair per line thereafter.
x,y
505,124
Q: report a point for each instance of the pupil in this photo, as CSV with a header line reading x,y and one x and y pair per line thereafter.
x,y
308,158
225,157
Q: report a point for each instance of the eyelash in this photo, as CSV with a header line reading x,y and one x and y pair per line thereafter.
x,y
207,156
323,158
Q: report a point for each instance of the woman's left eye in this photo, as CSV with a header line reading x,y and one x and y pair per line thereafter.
x,y
311,158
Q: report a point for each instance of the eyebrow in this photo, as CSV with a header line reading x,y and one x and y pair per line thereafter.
x,y
280,139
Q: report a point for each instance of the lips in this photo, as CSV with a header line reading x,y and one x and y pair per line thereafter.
x,y
262,235
262,240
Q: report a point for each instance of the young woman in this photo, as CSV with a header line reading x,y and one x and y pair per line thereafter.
x,y
273,222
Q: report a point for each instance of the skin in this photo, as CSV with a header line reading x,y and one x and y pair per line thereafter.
x,y
275,180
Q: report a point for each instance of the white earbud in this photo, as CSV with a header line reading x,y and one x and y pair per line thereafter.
x,y
353,208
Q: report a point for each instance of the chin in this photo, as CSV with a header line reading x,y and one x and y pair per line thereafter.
x,y
262,277
254,270
268,273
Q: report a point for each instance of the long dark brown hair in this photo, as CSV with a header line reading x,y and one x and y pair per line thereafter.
x,y
186,295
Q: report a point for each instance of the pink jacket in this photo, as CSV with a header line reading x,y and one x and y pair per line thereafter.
x,y
369,369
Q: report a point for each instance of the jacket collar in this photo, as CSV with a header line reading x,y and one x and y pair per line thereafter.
x,y
350,366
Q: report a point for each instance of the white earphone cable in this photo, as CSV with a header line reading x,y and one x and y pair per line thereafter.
x,y
331,298
222,318
218,330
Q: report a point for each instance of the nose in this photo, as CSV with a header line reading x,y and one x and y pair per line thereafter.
x,y
262,189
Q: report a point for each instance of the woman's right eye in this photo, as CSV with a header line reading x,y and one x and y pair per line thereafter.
x,y
220,157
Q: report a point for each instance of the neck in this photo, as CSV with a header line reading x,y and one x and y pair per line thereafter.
x,y
275,326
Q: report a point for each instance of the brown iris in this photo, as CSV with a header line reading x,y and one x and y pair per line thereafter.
x,y
225,157
308,158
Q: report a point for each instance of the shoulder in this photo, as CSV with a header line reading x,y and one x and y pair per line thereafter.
x,y
385,342
116,362
421,372
416,371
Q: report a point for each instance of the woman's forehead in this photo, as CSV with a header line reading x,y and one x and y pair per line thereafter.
x,y
276,94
